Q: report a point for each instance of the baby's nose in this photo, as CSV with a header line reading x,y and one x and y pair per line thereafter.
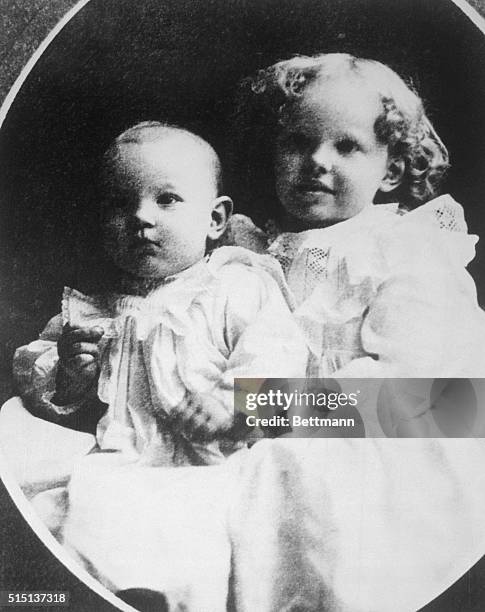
x,y
145,211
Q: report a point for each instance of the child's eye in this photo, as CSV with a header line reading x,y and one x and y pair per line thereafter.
x,y
347,145
166,199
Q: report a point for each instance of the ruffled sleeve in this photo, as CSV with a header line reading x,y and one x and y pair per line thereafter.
x,y
35,369
424,319
35,365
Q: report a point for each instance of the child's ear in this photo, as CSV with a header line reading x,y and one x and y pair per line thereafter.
x,y
394,174
221,212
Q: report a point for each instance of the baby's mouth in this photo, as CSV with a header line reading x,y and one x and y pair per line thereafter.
x,y
314,186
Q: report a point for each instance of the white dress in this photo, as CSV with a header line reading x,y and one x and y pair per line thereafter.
x,y
387,295
221,319
369,525
134,520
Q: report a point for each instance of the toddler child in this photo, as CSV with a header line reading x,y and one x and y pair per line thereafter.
x,y
382,290
161,351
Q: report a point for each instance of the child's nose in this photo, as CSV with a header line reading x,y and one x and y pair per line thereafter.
x,y
145,212
322,157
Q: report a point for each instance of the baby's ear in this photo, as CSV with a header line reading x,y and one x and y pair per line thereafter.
x,y
221,212
394,174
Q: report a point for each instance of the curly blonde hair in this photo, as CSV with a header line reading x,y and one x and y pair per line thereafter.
x,y
264,104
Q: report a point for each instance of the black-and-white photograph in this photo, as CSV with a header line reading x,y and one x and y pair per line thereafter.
x,y
242,345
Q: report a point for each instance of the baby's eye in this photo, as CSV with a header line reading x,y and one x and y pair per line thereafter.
x,y
166,199
347,145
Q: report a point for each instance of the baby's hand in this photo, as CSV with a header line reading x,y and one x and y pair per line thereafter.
x,y
78,363
203,418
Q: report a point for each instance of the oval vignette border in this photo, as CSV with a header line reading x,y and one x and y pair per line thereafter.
x,y
9,481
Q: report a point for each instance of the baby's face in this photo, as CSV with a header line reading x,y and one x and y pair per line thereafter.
x,y
158,211
329,164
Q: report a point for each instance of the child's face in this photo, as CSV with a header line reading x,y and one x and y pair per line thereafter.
x,y
328,163
158,213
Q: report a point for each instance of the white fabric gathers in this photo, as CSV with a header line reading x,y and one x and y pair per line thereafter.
x,y
359,525
387,294
369,524
221,319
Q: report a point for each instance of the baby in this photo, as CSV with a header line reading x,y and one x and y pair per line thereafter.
x,y
162,349
382,290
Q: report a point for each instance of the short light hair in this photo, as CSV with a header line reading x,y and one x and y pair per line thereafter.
x,y
151,131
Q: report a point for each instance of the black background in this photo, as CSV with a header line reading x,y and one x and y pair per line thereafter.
x,y
120,62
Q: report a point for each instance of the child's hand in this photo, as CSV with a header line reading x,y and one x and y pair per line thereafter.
x,y
203,418
241,231
78,363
